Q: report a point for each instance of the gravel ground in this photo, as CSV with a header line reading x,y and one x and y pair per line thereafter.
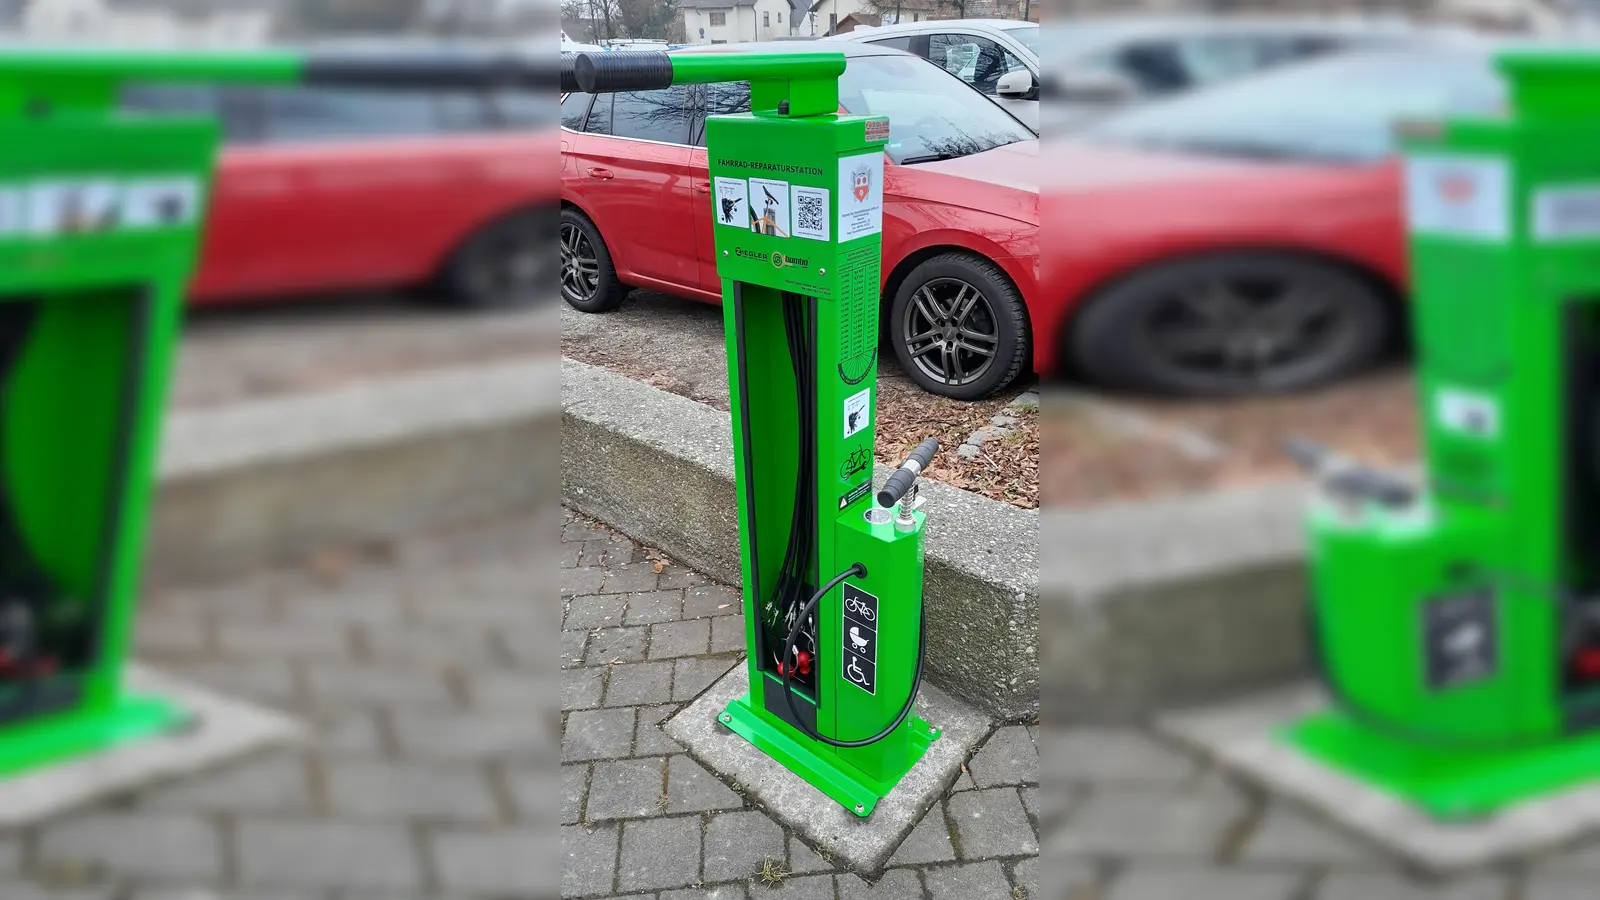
x,y
677,345
1102,450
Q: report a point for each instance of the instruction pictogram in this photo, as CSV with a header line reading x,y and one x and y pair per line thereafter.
x,y
860,631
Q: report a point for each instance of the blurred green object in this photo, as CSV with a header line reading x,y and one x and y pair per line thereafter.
x,y
1458,629
101,216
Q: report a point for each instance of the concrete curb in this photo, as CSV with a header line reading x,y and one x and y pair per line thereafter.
x,y
659,468
1171,602
255,483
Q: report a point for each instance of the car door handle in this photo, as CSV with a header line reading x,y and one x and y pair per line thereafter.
x,y
702,187
602,174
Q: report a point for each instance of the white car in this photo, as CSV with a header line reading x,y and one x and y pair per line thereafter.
x,y
998,57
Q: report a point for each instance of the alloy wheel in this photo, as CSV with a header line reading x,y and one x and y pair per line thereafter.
x,y
580,265
950,331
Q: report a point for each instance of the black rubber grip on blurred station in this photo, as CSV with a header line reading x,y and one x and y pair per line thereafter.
x,y
569,77
443,73
906,475
626,70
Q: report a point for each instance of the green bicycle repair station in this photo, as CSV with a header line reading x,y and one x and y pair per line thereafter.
x,y
101,214
832,573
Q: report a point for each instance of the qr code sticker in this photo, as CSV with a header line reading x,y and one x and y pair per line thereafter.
x,y
810,205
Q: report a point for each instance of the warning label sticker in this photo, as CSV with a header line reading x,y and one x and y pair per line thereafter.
x,y
810,212
1458,196
731,205
769,205
1469,413
856,413
860,196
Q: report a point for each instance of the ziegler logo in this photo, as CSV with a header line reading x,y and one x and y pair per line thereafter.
x,y
862,184
778,260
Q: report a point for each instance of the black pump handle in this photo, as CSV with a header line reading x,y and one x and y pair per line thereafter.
x,y
906,475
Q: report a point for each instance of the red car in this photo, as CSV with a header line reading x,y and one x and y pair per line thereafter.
x,y
960,224
323,189
1248,238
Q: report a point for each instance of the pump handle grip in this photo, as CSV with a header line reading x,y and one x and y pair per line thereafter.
x,y
500,71
623,70
569,76
1356,482
906,475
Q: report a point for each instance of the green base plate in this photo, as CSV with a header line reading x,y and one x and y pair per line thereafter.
x,y
63,737
845,784
1449,785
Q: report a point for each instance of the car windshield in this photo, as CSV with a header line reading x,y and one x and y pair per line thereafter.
x,y
932,114
1338,110
1026,33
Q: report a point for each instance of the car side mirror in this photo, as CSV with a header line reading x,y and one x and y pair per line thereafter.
x,y
1017,84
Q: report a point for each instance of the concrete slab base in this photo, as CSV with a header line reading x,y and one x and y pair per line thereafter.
x,y
1240,736
864,845
223,729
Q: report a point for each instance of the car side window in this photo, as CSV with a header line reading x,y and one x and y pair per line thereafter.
x,y
574,109
599,120
318,114
898,43
722,99
1156,66
662,115
976,60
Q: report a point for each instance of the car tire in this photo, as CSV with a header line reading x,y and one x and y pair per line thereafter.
x,y
961,308
595,291
506,264
1231,325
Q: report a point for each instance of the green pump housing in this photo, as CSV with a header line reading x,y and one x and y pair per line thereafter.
x,y
1458,626
101,215
835,651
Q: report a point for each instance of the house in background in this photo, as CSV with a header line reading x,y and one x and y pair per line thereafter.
x,y
734,21
840,16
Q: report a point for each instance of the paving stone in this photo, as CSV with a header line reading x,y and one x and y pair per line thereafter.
x,y
689,637
691,676
1132,821
992,823
394,791
528,792
1582,859
1008,757
659,853
803,887
581,581
582,688
980,879
607,553
496,863
346,685
626,789
734,891
588,859
928,842
506,691
690,788
297,640
495,736
264,681
1025,877
571,554
170,636
279,783
650,738
1289,836
727,634
629,579
636,684
617,645
1099,755
573,645
347,733
431,644
592,611
896,884
738,843
1030,802
1195,883
578,532
710,600
649,607
675,576
159,846
804,860
316,854
1370,886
